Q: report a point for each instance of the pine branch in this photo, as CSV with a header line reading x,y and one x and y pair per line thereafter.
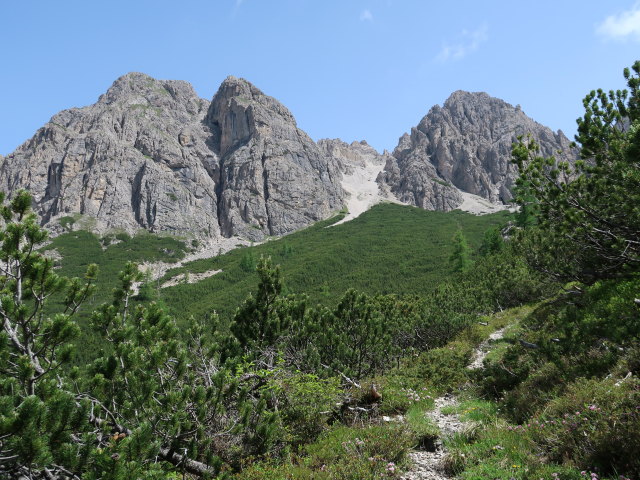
x,y
182,461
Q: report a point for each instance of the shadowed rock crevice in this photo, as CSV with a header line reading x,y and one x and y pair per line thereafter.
x,y
265,187
136,195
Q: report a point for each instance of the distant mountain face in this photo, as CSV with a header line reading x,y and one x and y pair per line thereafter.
x,y
151,154
465,145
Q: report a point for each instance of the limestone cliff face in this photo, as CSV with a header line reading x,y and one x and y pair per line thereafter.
x,y
138,158
273,177
151,154
465,145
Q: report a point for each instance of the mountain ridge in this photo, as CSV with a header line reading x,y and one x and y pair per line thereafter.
x,y
151,154
148,155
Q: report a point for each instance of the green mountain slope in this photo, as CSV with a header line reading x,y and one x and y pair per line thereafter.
x,y
389,249
80,248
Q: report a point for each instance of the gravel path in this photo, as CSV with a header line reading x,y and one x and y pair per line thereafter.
x,y
483,349
428,465
189,278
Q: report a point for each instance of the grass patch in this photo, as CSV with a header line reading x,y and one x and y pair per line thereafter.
x,y
441,182
342,453
490,448
402,391
443,369
473,410
423,429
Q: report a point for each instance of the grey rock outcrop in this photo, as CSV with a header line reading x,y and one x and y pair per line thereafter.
x,y
121,161
151,154
351,154
465,145
414,180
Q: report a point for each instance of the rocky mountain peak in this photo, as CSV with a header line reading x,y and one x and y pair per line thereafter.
x,y
246,95
465,97
140,90
129,84
466,143
469,107
238,87
239,110
289,180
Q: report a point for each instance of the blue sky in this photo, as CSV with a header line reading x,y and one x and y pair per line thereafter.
x,y
353,69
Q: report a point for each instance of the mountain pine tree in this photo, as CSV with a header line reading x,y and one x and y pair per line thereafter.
x,y
39,417
155,399
589,213
460,258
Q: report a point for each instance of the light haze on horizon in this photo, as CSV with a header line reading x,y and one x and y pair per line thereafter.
x,y
355,70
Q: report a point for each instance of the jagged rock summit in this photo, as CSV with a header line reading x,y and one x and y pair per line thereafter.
x,y
120,163
151,154
465,146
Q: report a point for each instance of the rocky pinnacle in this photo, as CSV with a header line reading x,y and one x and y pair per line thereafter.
x,y
465,145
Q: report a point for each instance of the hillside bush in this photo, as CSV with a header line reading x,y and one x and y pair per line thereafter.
x,y
587,338
442,368
305,403
358,453
594,425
